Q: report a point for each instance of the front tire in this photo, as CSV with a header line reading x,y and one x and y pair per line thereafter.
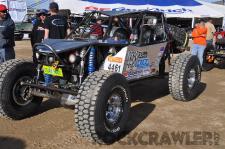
x,y
103,107
185,77
14,101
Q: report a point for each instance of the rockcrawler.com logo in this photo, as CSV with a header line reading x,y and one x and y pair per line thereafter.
x,y
200,138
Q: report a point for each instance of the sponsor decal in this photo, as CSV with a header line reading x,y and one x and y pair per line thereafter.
x,y
153,70
125,74
143,63
148,2
133,57
162,49
114,67
115,59
166,11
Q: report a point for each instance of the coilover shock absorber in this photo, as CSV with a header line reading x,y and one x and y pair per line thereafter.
x,y
92,60
48,79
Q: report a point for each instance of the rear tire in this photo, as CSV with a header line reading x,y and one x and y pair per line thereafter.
x,y
104,103
221,63
184,77
14,102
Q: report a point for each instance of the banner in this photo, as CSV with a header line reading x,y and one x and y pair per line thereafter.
x,y
38,4
17,9
4,2
171,8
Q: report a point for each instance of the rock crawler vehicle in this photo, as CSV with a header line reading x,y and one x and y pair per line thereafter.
x,y
220,39
93,75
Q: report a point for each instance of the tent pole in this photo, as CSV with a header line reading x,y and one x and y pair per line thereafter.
x,y
193,22
223,25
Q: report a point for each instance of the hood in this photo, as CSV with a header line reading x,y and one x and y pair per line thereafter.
x,y
62,45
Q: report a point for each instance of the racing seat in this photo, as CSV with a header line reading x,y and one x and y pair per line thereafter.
x,y
147,34
159,32
119,32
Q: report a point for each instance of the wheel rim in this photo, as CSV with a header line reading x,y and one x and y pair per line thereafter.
x,y
114,108
191,78
21,93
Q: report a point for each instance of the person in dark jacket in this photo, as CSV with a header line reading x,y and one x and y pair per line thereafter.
x,y
7,28
38,31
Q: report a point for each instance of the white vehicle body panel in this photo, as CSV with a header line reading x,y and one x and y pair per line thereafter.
x,y
136,62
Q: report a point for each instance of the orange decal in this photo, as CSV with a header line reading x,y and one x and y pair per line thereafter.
x,y
115,59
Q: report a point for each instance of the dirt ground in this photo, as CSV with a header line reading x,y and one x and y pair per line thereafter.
x,y
153,112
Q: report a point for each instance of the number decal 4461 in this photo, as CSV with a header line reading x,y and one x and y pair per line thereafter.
x,y
114,67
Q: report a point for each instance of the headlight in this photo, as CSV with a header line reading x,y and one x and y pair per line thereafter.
x,y
37,55
50,59
72,58
219,36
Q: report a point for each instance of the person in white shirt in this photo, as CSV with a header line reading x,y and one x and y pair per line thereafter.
x,y
210,31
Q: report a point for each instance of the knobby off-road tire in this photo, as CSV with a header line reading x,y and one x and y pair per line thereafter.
x,y
185,77
12,105
94,111
180,35
221,64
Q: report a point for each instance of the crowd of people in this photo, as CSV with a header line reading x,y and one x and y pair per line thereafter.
x,y
54,26
49,25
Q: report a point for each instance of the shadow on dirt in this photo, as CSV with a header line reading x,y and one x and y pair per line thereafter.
x,y
11,143
201,89
208,67
48,105
144,91
138,113
149,89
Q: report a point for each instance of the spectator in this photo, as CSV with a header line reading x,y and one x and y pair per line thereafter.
x,y
38,30
210,32
199,40
56,26
7,28
97,30
116,22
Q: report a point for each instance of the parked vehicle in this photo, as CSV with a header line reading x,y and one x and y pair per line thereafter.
x,y
24,27
220,39
214,56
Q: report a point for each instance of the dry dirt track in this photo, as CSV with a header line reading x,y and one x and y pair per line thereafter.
x,y
153,110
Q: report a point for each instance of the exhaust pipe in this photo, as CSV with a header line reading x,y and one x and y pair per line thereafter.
x,y
68,100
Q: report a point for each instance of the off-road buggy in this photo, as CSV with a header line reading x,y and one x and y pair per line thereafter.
x,y
220,39
214,57
94,74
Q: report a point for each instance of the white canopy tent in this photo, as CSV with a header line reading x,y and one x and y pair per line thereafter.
x,y
219,8
175,8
